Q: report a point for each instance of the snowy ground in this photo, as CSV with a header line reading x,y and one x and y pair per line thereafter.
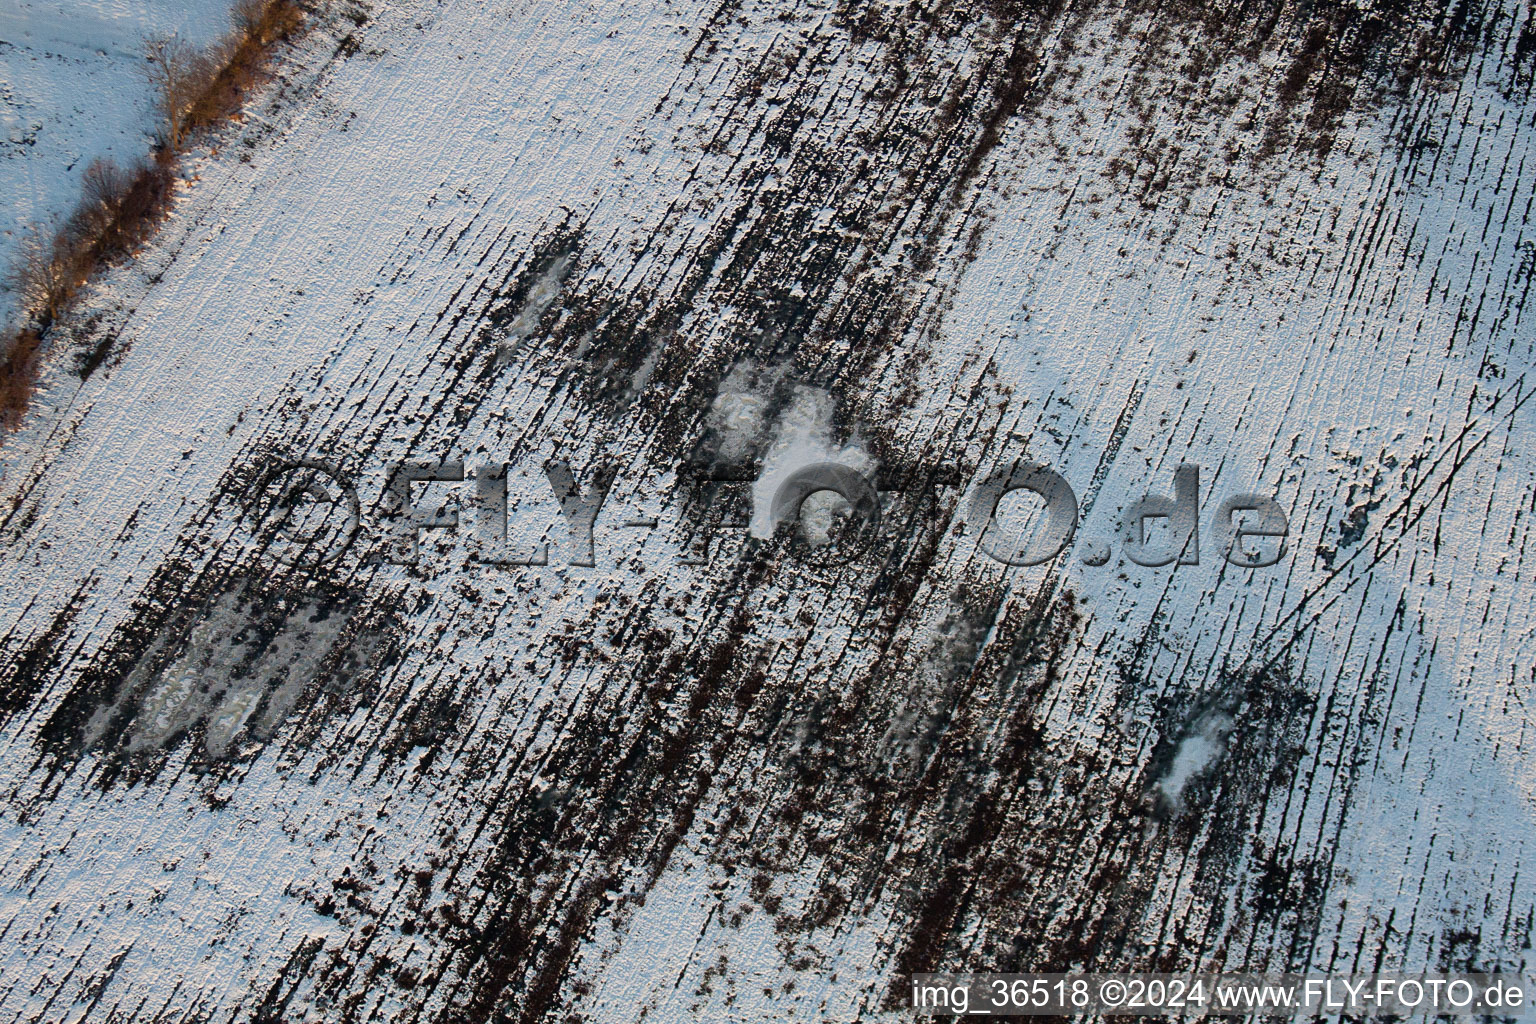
x,y
70,91
672,238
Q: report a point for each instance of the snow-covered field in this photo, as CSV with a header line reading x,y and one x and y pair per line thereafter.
x,y
701,246
71,91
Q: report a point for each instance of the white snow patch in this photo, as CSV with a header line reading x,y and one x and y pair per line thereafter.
x,y
804,438
739,413
1200,748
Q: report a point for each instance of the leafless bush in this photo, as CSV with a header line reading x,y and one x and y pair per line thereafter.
x,y
264,21
139,208
248,16
104,183
18,372
102,187
179,73
46,272
240,57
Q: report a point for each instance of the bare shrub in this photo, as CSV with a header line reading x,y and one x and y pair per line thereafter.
x,y
101,191
179,73
263,22
18,372
196,88
239,58
143,204
104,183
140,204
248,16
233,73
46,272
